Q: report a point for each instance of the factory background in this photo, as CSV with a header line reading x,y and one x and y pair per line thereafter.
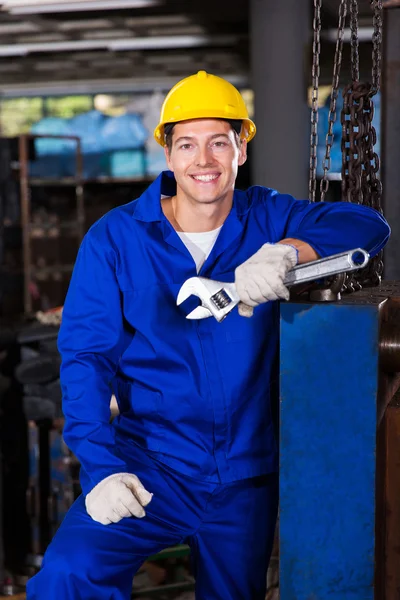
x,y
81,87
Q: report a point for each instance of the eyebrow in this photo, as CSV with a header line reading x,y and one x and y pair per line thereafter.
x,y
189,138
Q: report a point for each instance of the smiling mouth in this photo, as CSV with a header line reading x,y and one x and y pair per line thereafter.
x,y
206,178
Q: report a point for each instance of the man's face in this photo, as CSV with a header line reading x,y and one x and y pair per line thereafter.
x,y
205,158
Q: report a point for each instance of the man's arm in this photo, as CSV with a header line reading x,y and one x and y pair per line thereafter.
x,y
91,341
304,231
305,252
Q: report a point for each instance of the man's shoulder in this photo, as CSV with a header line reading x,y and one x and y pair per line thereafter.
x,y
257,196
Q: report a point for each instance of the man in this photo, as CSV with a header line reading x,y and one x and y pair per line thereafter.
x,y
192,457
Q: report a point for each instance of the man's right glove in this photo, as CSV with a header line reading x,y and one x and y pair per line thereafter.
x,y
261,277
117,496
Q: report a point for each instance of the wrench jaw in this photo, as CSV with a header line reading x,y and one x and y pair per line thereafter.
x,y
201,312
217,298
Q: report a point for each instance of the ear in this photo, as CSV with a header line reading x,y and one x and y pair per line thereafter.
x,y
242,153
168,158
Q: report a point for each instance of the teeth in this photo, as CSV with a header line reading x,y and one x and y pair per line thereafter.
x,y
205,177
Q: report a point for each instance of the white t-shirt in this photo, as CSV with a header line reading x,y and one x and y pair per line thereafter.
x,y
199,244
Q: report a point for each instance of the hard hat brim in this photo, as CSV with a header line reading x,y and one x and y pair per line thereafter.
x,y
247,133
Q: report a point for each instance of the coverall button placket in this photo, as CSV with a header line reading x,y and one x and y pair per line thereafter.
x,y
217,396
230,232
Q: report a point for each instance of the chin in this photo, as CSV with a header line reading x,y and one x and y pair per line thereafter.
x,y
204,199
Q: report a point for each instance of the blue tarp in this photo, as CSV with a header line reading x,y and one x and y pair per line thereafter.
x,y
126,132
53,126
101,136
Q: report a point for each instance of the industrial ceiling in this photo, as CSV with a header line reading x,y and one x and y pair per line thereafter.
x,y
76,46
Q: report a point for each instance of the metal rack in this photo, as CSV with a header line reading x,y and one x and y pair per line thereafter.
x,y
26,183
75,226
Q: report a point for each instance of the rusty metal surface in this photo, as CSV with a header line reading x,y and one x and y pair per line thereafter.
x,y
390,139
374,295
390,342
392,504
387,298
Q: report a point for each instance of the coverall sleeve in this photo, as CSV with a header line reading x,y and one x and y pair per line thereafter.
x,y
329,227
90,342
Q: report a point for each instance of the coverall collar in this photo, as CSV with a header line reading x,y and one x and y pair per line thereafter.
x,y
149,209
149,203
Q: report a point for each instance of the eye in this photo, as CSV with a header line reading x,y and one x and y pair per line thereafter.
x,y
220,144
185,147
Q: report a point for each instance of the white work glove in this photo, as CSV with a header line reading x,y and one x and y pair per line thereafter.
x,y
260,278
117,496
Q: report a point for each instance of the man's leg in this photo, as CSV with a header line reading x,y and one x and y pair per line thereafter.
x,y
232,547
90,561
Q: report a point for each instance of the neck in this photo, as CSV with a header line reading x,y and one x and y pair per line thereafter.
x,y
193,217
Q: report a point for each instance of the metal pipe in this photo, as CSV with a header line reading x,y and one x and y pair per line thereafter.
x,y
389,345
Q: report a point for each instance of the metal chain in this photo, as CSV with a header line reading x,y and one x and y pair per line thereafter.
x,y
314,100
376,45
372,181
360,163
355,59
337,63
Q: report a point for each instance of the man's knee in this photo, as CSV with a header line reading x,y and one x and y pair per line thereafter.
x,y
70,575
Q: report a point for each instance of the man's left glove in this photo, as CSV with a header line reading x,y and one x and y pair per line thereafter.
x,y
260,278
116,497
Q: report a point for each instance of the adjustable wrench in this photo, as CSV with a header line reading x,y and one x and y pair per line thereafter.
x,y
219,298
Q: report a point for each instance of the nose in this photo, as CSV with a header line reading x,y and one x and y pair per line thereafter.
x,y
204,156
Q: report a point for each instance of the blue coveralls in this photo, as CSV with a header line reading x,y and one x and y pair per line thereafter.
x,y
195,397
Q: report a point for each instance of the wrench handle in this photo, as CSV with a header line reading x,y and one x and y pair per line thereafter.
x,y
319,269
326,267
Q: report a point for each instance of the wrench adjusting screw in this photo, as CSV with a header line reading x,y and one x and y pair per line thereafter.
x,y
221,299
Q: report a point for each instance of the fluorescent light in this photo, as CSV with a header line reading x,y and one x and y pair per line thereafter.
x,y
157,20
14,50
70,6
40,3
23,27
22,49
82,24
144,43
103,86
364,34
13,3
166,42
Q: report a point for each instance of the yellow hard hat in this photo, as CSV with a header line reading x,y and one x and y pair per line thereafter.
x,y
204,96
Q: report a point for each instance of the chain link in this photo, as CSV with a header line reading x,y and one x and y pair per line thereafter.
x,y
376,45
355,59
337,63
314,100
375,268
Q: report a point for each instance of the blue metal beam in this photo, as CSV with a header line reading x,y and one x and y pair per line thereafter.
x,y
329,386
